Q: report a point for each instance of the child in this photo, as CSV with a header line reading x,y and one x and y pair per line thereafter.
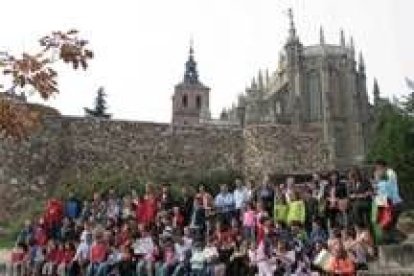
x,y
249,222
51,259
177,218
65,258
98,255
197,259
341,264
18,260
318,234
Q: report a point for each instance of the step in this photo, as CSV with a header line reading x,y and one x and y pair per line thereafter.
x,y
396,256
388,272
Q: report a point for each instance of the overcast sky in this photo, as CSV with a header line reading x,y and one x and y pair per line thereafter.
x,y
141,46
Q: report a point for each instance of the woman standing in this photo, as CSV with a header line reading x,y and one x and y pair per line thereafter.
x,y
360,193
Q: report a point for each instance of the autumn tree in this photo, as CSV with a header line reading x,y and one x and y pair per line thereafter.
x,y
99,111
34,73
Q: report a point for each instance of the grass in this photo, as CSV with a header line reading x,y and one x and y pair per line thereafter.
x,y
13,227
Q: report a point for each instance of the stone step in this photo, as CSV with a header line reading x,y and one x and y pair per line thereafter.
x,y
387,272
396,256
3,268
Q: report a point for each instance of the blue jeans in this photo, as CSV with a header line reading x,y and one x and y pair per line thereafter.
x,y
97,269
163,269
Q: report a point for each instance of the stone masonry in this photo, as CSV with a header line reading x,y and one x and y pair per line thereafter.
x,y
67,146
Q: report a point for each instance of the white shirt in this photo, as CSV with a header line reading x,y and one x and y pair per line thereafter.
x,y
82,252
240,197
210,252
181,249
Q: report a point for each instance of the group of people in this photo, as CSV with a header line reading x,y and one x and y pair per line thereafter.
x,y
329,224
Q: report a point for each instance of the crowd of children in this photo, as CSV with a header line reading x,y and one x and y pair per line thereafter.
x,y
324,225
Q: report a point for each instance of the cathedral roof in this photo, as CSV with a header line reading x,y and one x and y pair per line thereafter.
x,y
326,49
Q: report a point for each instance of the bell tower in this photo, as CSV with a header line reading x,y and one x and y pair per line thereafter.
x,y
191,99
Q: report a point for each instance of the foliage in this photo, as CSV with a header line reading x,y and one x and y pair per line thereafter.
x,y
103,179
394,142
100,108
13,227
35,72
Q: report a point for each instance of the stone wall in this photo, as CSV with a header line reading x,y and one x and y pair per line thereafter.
x,y
147,149
150,149
280,149
153,149
73,148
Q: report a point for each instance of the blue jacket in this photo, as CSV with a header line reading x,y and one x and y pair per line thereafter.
x,y
72,208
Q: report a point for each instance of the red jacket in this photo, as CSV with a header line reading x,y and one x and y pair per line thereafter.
x,y
260,233
98,253
150,209
40,236
54,212
139,211
53,256
66,256
178,220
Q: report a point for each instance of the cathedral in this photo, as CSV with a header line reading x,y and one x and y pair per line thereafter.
x,y
320,86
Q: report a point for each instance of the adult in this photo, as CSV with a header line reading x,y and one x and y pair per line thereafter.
x,y
265,194
198,219
387,203
72,207
224,203
337,206
360,193
186,202
241,197
381,167
150,205
166,200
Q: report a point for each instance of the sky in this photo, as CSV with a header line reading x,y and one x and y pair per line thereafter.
x,y
141,45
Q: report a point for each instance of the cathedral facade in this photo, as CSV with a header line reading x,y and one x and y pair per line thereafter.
x,y
320,85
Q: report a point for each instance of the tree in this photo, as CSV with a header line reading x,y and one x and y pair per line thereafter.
x,y
393,141
34,72
409,100
100,108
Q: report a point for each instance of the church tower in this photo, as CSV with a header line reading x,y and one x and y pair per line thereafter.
x,y
191,99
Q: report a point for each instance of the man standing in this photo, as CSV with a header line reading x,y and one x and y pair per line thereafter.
x,y
240,195
265,194
224,203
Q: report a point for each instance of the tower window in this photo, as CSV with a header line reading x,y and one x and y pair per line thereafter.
x,y
198,102
185,101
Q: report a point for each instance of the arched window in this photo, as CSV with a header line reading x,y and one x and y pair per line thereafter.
x,y
198,102
185,101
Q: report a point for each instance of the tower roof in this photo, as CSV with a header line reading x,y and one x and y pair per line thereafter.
x,y
292,28
191,73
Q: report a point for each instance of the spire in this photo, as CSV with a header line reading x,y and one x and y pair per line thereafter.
x,y
191,51
254,84
267,78
292,28
352,44
321,36
191,74
361,65
260,81
342,38
376,91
